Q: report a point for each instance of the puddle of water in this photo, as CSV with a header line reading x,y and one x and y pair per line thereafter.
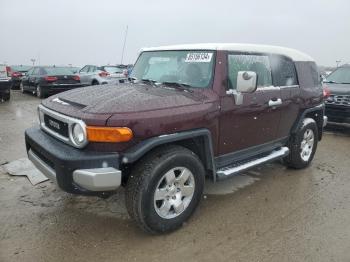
x,y
229,186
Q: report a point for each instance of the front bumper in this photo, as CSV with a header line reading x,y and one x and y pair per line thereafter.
x,y
75,171
338,115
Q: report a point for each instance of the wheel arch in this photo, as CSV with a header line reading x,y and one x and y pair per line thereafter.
x,y
198,141
316,113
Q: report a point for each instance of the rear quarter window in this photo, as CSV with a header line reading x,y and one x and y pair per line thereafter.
x,y
308,74
283,71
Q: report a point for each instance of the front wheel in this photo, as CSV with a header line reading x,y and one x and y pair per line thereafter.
x,y
303,145
164,189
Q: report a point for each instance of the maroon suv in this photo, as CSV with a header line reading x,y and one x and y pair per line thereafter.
x,y
188,112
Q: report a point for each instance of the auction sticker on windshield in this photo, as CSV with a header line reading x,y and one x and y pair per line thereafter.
x,y
198,57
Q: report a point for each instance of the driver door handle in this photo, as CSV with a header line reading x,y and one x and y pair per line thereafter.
x,y
275,102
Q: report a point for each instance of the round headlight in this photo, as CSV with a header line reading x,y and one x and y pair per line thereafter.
x,y
78,134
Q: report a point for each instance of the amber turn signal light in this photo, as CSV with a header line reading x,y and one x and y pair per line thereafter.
x,y
108,134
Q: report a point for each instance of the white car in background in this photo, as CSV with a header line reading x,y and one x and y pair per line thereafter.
x,y
101,75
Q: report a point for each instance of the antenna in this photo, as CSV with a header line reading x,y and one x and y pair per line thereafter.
x,y
126,33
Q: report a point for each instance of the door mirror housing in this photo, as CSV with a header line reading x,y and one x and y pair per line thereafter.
x,y
246,81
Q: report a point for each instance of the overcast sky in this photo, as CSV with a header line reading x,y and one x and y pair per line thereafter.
x,y
82,32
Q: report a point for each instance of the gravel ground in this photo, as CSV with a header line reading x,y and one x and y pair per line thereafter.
x,y
269,214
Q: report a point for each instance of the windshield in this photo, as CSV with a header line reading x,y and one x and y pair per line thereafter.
x,y
20,68
58,71
340,76
192,68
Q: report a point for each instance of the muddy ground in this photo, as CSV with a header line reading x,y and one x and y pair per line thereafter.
x,y
268,214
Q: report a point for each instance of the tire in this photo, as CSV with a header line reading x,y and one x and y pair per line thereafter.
x,y
94,83
5,97
152,177
39,92
303,145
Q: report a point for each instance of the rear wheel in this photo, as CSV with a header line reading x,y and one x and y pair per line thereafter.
x,y
303,145
95,83
39,92
164,189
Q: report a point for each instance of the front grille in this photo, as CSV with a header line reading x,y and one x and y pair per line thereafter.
x,y
59,125
343,100
56,125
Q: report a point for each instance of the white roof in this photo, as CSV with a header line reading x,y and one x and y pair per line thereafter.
x,y
291,53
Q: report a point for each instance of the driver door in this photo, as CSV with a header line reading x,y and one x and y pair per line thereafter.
x,y
255,122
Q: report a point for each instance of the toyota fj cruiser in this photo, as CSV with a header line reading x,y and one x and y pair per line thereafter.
x,y
188,112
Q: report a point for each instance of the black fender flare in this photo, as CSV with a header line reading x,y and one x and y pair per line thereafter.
x,y
138,151
318,111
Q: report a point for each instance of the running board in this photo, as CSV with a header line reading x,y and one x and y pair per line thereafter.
x,y
232,170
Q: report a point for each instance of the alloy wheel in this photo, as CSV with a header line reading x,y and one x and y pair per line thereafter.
x,y
307,145
174,192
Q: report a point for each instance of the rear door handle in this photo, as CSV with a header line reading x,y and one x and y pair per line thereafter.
x,y
275,102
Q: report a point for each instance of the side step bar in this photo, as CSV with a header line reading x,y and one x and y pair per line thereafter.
x,y
229,171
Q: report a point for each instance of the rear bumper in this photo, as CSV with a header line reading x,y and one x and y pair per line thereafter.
x,y
5,86
55,89
75,171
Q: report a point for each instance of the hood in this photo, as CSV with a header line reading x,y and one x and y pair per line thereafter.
x,y
123,98
339,89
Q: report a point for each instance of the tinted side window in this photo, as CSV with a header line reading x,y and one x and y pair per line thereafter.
x,y
256,63
283,71
308,74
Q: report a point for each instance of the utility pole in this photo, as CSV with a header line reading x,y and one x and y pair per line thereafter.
x,y
126,33
338,62
33,61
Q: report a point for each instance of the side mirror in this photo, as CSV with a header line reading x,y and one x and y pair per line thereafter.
x,y
246,81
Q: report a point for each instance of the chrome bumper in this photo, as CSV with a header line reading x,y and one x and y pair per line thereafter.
x,y
96,179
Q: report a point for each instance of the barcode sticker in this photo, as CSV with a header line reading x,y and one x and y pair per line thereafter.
x,y
198,57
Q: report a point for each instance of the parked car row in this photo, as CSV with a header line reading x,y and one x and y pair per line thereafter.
x,y
47,80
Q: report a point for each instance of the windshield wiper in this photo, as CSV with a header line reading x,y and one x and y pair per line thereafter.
x,y
179,86
149,81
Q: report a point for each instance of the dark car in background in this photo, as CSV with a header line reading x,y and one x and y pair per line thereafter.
x,y
17,73
48,80
338,101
